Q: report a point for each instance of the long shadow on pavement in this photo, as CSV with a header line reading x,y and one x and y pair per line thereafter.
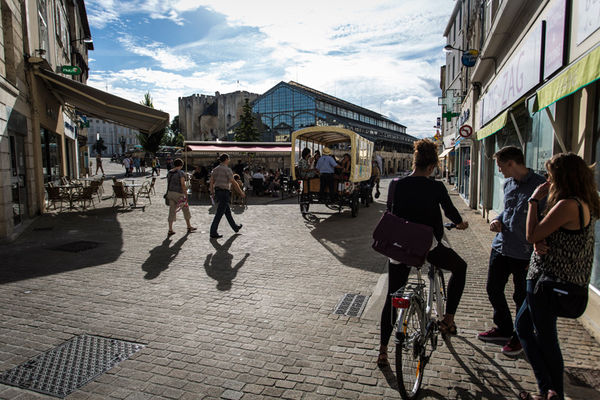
x,y
57,243
348,239
161,257
493,381
219,266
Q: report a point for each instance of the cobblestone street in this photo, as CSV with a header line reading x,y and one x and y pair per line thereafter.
x,y
248,316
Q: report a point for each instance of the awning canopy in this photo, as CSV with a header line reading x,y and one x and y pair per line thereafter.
x,y
499,122
96,103
238,147
445,152
578,75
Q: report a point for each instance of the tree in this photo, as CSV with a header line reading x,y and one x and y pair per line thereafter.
x,y
99,147
173,137
246,131
150,142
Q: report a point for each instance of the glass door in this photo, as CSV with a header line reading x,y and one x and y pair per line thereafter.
x,y
18,186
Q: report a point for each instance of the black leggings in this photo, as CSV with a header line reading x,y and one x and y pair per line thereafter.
x,y
442,257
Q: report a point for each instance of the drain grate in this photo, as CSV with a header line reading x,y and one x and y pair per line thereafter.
x,y
65,368
76,247
351,305
585,377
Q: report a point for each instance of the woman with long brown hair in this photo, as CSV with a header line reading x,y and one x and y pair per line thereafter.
x,y
418,198
564,250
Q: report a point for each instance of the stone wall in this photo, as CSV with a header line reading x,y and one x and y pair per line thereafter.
x,y
197,116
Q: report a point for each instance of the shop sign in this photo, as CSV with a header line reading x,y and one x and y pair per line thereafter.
x,y
70,70
521,73
469,58
588,18
555,37
465,131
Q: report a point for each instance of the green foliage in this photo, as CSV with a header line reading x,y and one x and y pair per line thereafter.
x,y
246,130
150,142
99,147
173,136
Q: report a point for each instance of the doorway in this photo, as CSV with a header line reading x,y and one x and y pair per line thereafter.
x,y
18,179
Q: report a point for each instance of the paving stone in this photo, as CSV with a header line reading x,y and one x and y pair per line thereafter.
x,y
247,315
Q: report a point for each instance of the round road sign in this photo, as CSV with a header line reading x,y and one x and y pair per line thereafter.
x,y
465,131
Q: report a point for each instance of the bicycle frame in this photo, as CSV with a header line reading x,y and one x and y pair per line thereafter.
x,y
414,293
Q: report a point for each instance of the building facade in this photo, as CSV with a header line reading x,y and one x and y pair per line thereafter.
x,y
205,117
535,85
40,139
290,106
117,139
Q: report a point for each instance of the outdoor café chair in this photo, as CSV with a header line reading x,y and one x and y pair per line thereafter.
x,y
145,191
86,195
152,185
55,195
96,188
121,193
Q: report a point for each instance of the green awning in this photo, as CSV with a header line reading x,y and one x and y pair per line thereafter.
x,y
578,75
498,123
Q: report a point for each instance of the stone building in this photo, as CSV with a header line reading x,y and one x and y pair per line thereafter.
x,y
116,137
205,117
534,84
44,102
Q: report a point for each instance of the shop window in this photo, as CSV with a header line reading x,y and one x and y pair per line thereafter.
x,y
50,155
504,137
540,140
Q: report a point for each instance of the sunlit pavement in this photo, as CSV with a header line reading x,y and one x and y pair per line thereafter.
x,y
248,316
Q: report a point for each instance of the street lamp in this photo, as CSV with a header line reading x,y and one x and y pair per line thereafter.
x,y
86,40
448,48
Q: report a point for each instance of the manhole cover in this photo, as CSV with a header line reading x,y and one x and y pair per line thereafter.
x,y
63,369
351,305
585,377
76,247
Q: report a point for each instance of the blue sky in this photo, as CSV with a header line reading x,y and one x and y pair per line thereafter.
x,y
382,54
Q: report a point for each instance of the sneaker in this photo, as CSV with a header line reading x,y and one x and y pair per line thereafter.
x,y
513,347
493,335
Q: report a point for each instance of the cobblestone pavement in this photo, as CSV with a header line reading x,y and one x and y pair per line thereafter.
x,y
248,316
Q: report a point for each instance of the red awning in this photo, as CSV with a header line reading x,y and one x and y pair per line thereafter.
x,y
239,149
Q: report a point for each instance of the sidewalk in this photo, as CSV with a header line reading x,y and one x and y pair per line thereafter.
x,y
245,317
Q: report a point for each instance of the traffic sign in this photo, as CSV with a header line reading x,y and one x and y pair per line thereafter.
x,y
465,131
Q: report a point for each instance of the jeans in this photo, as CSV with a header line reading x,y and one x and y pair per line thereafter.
x,y
536,326
501,267
327,182
442,257
223,198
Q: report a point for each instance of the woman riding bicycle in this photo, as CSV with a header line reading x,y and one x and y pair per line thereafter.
x,y
417,198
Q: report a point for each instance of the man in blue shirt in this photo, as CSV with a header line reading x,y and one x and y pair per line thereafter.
x,y
510,250
326,166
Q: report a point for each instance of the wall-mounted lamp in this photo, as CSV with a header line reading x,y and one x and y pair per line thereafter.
x,y
86,40
448,48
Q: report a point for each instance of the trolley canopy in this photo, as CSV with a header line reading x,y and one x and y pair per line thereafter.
x,y
325,135
237,147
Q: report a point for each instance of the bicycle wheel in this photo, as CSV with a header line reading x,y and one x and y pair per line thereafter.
x,y
410,351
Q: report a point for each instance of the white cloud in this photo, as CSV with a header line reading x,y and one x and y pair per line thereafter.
x,y
381,54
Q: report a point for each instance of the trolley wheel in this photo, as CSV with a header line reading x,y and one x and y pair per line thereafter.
x,y
354,205
304,208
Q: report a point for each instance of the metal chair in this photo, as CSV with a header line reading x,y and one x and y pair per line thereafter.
x,y
145,191
86,194
55,195
121,193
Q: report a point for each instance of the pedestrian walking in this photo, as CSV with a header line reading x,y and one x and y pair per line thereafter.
x,y
137,164
143,165
99,164
177,196
155,166
417,198
169,162
563,257
221,182
510,250
127,165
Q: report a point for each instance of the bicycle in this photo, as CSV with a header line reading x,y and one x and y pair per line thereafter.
x,y
416,327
